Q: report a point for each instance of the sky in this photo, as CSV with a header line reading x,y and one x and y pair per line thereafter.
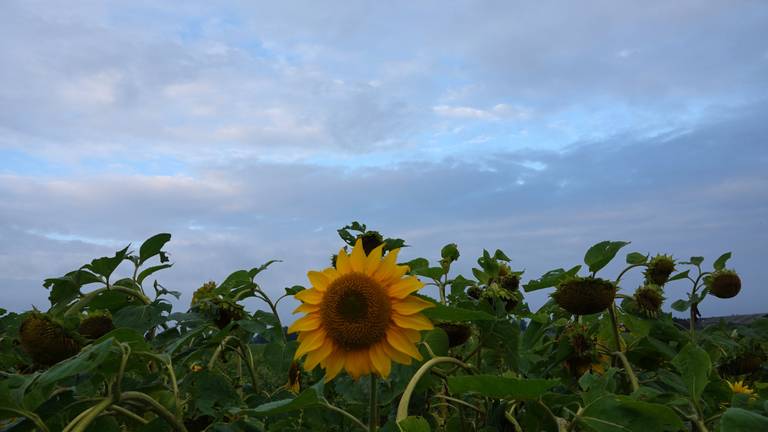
x,y
252,131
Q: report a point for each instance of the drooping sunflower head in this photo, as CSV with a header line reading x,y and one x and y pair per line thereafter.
x,y
649,299
361,315
96,325
724,283
371,240
294,378
458,334
510,298
584,354
584,295
658,270
45,340
205,291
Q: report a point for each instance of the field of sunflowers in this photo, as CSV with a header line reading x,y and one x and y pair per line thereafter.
x,y
367,350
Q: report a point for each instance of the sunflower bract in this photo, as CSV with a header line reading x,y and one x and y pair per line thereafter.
x,y
360,316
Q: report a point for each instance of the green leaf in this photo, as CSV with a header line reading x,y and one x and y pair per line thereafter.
x,y
256,270
635,258
414,424
599,255
450,252
294,290
105,265
437,340
681,275
681,305
501,256
696,260
127,336
694,366
88,359
306,399
153,246
233,281
622,413
719,263
148,271
431,272
417,264
453,314
738,420
141,318
211,392
500,387
551,278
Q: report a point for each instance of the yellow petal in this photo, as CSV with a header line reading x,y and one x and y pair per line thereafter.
x,y
333,365
387,267
307,308
311,342
379,360
358,363
318,280
413,335
305,323
331,273
411,305
416,322
311,296
357,258
318,355
373,261
404,287
343,265
402,343
394,354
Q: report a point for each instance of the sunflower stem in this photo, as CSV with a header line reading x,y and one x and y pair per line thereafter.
x,y
615,327
402,407
373,419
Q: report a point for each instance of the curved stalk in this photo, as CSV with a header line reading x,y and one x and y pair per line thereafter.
x,y
34,418
84,300
130,414
460,402
219,349
628,368
346,414
626,270
402,407
157,408
88,416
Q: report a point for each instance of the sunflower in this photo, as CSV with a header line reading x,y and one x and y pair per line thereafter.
x,y
360,316
740,387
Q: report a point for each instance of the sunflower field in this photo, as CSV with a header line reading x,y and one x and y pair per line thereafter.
x,y
367,350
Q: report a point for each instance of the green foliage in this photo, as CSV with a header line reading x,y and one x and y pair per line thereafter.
x,y
513,369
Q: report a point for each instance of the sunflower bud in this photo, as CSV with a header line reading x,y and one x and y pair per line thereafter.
x,y
458,334
46,341
584,296
205,291
96,325
724,284
658,270
649,299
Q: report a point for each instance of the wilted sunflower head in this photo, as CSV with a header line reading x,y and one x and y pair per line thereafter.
x,y
579,339
360,316
658,270
584,295
458,334
371,240
494,292
723,283
649,299
474,292
294,378
45,340
96,325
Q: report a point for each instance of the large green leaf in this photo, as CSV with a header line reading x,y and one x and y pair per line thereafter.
x,y
308,398
104,266
599,255
153,246
88,359
738,420
622,413
500,387
414,424
719,263
694,366
551,278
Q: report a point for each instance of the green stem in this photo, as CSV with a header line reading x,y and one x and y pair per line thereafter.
x,y
272,306
460,402
373,410
626,270
250,363
88,416
615,327
402,407
217,352
345,414
34,418
130,414
157,408
630,372
84,300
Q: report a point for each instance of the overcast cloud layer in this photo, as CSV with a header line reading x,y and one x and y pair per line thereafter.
x,y
253,132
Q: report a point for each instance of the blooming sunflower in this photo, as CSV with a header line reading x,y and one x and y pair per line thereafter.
x,y
740,387
360,316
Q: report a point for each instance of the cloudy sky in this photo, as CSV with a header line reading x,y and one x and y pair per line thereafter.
x,y
253,130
